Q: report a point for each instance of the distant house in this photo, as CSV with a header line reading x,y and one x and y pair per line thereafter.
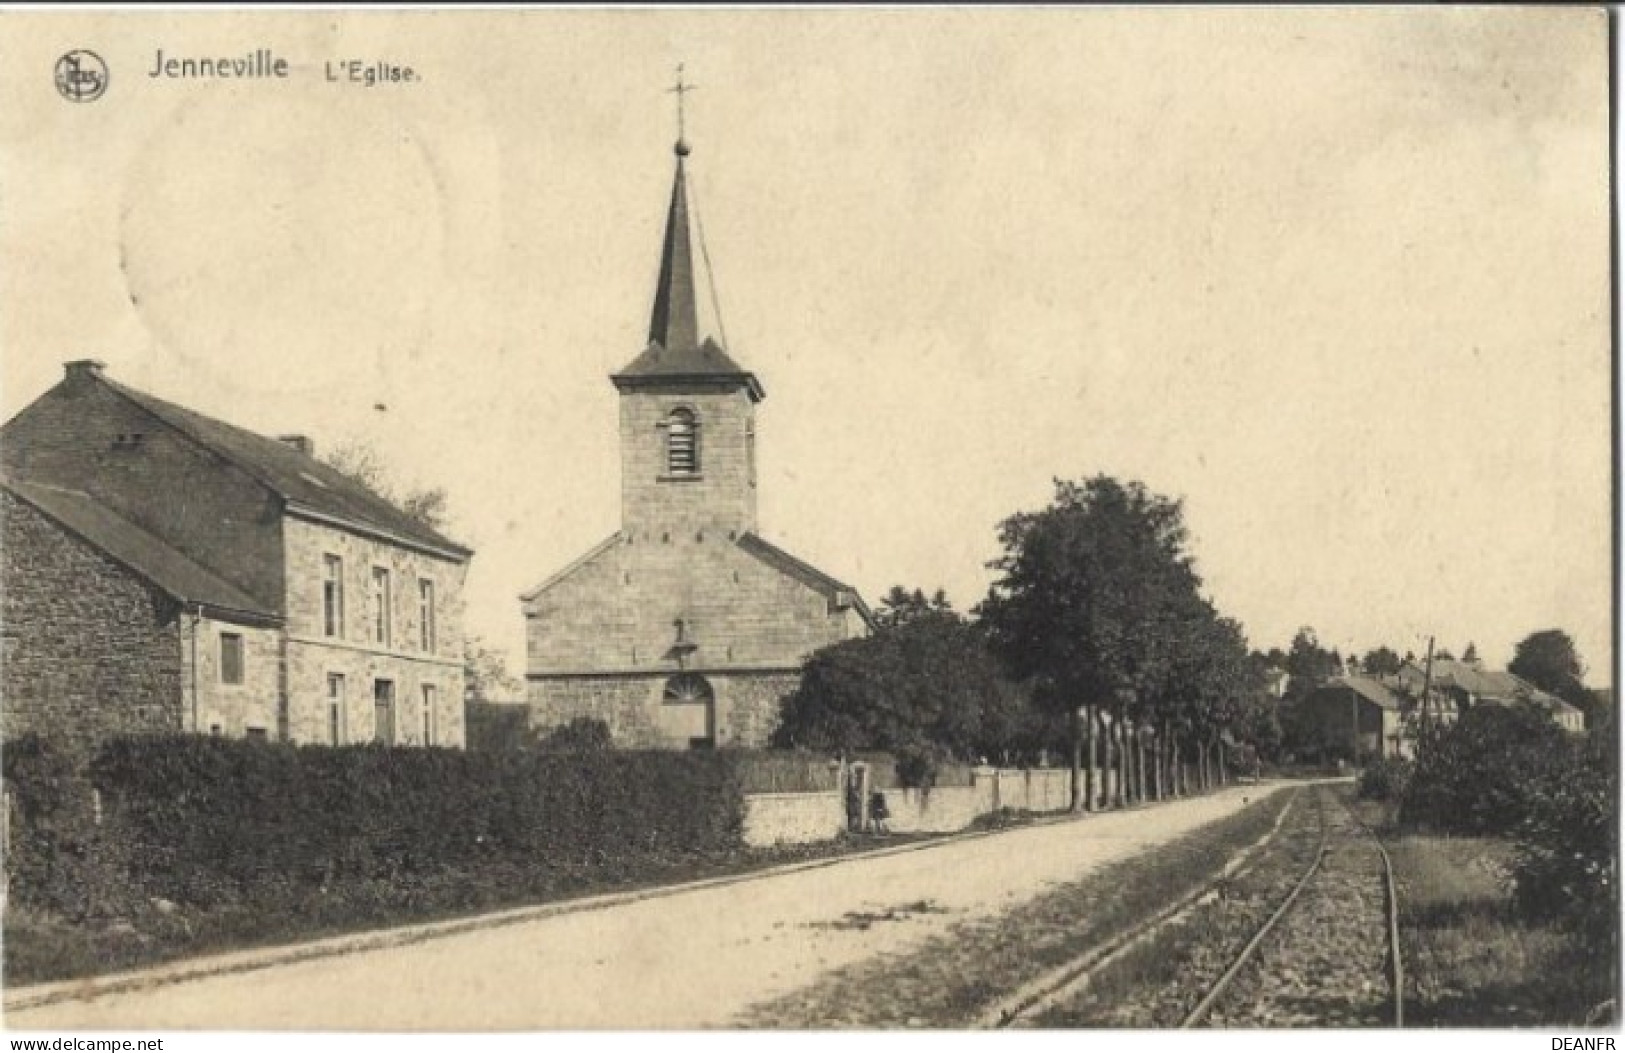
x,y
1464,685
1371,716
1357,716
166,571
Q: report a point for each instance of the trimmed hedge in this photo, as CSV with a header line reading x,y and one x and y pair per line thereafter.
x,y
215,823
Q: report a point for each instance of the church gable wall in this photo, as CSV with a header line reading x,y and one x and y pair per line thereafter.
x,y
619,612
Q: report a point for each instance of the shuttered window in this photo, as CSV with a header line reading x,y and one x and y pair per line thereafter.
x,y
231,658
682,443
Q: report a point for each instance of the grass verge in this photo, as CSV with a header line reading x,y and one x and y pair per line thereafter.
x,y
1473,962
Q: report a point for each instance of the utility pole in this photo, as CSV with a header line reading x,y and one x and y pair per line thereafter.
x,y
1427,686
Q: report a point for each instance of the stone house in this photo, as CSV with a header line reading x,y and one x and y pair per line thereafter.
x,y
164,570
685,627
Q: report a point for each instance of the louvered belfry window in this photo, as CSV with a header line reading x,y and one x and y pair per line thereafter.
x,y
682,443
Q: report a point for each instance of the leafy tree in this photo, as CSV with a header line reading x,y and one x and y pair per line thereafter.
x,y
1309,664
1091,594
1549,660
1443,654
1380,661
1476,776
900,605
485,674
362,463
1470,656
925,687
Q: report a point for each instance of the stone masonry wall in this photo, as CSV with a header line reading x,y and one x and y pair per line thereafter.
x,y
746,707
721,497
618,611
232,710
90,650
793,818
353,652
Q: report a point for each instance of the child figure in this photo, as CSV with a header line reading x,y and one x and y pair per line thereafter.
x,y
878,812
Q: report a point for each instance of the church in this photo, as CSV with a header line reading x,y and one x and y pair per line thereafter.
x,y
685,627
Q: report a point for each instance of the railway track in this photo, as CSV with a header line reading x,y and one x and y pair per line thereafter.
x,y
1326,955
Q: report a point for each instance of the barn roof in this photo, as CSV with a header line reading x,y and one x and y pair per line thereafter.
x,y
147,556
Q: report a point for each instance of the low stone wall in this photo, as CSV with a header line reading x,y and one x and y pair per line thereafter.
x,y
803,818
793,818
938,811
1030,790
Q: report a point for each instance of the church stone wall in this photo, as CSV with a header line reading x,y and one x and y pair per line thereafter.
x,y
746,706
618,612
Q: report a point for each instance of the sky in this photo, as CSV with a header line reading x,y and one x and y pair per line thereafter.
x,y
1337,278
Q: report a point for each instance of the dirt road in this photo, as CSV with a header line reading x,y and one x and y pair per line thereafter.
x,y
689,960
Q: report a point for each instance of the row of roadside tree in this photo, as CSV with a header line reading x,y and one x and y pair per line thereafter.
x,y
1094,643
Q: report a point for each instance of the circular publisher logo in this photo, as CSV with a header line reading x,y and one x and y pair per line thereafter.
x,y
81,76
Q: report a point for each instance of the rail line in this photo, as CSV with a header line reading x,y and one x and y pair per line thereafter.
x,y
1394,964
1063,982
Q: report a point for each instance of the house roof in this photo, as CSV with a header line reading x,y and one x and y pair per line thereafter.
x,y
1369,688
305,482
1488,684
837,592
149,557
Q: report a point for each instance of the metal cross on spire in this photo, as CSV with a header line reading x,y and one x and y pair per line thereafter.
x,y
681,88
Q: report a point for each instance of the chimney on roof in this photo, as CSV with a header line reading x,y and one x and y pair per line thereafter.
x,y
85,367
301,443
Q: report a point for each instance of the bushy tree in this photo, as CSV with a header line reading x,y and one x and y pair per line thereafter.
x,y
1097,606
1476,776
1566,866
1548,659
362,463
924,686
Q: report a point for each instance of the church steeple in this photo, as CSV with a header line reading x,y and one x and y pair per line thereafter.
x,y
674,324
676,352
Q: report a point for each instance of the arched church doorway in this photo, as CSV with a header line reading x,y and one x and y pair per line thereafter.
x,y
688,711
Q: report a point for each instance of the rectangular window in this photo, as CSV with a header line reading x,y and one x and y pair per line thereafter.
x,y
429,695
231,658
380,606
335,709
383,712
426,614
333,596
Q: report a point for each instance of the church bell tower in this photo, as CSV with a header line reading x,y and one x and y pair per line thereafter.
x,y
688,410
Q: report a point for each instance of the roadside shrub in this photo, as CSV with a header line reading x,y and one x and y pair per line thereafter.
x,y
216,823
1564,869
581,735
917,767
56,850
1385,779
1477,776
